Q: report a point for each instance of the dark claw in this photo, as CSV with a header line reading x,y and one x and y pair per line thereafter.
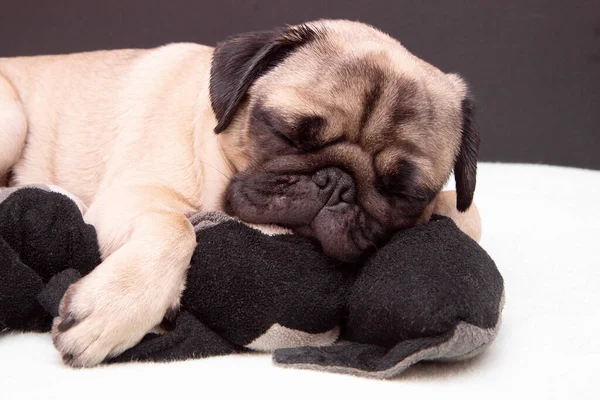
x,y
67,358
66,323
169,321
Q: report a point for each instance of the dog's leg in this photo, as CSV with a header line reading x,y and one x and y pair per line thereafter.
x,y
13,128
146,243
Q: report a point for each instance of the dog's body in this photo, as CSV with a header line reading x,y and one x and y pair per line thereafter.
x,y
99,119
131,133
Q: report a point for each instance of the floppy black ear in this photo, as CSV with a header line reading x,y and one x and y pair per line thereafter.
x,y
465,167
240,60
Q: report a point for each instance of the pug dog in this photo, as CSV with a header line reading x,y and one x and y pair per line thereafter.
x,y
330,128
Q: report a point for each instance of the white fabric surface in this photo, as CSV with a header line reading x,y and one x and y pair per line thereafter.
x,y
541,225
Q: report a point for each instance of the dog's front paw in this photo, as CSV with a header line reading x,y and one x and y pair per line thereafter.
x,y
100,317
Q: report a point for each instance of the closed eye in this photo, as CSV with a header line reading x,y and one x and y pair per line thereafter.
x,y
401,191
313,145
336,141
399,182
394,184
284,138
266,119
305,147
390,190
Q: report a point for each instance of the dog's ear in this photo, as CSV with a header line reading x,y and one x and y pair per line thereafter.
x,y
240,60
465,167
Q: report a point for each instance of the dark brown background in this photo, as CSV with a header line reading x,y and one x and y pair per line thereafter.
x,y
534,65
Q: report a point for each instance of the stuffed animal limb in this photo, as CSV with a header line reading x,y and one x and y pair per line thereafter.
x,y
432,293
41,233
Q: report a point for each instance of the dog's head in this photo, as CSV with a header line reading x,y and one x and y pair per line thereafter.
x,y
337,131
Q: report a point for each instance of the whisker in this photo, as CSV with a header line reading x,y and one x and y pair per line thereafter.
x,y
215,168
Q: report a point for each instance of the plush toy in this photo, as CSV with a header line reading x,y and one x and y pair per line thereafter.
x,y
41,234
431,293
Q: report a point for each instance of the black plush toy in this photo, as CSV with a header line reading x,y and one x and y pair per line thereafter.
x,y
431,293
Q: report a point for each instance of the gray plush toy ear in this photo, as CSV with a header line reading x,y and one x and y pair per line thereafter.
x,y
240,60
372,361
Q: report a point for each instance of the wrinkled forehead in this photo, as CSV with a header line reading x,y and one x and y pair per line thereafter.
x,y
332,74
358,96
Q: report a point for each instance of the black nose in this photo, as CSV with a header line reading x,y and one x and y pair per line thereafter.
x,y
336,185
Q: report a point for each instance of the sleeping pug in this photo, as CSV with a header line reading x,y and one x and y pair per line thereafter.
x,y
330,128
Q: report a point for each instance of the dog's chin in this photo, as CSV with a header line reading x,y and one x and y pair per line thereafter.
x,y
340,232
343,230
334,230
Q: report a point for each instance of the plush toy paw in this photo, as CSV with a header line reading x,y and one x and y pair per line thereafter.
x,y
432,293
19,286
42,233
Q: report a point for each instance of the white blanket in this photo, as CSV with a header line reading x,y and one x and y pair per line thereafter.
x,y
541,224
